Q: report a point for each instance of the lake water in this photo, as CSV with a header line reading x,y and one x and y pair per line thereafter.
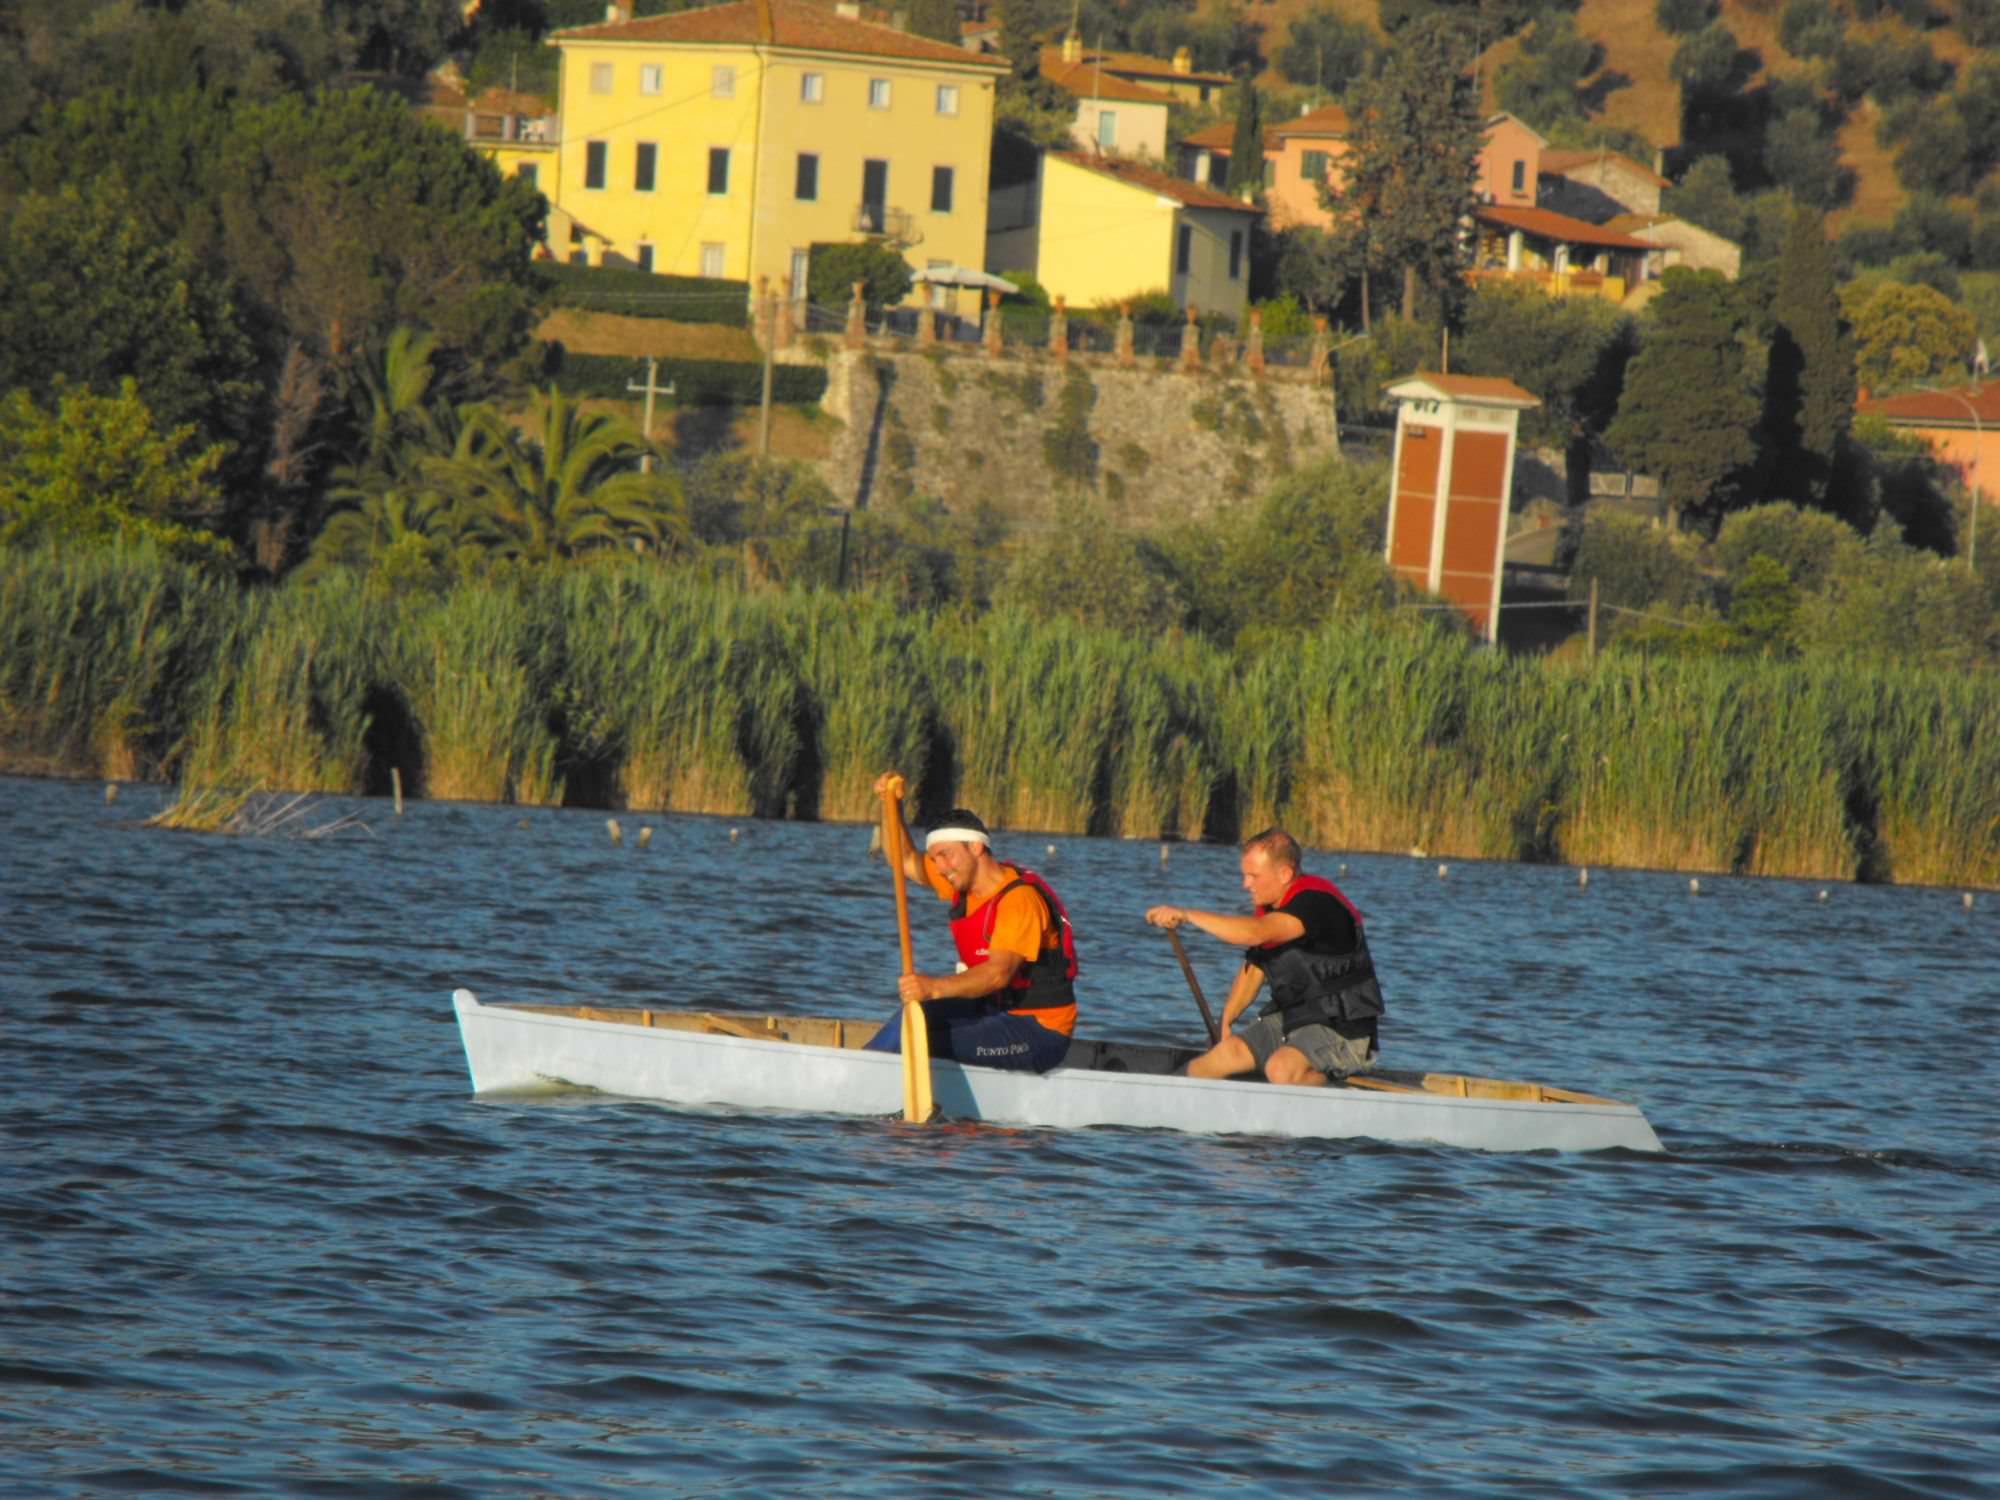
x,y
257,1237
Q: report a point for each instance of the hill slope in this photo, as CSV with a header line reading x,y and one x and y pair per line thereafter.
x,y
1637,51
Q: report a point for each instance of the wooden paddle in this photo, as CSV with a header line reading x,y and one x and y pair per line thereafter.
x,y
916,1035
1208,1020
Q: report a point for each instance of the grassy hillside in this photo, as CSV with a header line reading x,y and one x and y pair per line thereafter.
x,y
1636,49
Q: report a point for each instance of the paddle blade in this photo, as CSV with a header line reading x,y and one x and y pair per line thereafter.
x,y
917,1105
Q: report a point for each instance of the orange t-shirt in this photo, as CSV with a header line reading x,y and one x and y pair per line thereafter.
x,y
1022,925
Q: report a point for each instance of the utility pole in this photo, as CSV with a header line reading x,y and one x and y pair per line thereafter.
x,y
652,389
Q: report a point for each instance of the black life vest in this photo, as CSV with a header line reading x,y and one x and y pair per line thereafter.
x,y
1316,987
1040,985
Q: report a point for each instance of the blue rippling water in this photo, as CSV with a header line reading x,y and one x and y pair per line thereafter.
x,y
256,1236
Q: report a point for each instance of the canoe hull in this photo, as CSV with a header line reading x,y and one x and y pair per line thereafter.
x,y
511,1050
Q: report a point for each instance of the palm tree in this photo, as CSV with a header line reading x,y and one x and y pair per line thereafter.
x,y
566,486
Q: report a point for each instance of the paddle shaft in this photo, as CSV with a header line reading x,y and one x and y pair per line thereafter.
x,y
1207,1017
916,1035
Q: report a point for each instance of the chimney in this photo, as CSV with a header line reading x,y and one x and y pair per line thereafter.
x,y
1072,47
615,13
1183,60
1305,108
899,20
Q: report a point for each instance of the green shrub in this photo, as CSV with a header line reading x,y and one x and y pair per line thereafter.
x,y
642,294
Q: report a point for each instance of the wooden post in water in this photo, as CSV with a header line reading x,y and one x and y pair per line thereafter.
x,y
396,786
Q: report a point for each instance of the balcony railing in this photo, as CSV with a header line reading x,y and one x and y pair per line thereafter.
x,y
889,223
490,128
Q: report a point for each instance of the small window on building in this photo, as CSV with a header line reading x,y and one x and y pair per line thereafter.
x,y
718,170
947,99
526,172
1183,249
645,160
878,93
1520,175
801,271
940,190
600,78
806,189
595,154
645,257
812,88
1312,166
722,83
1235,254
1107,128
651,78
713,262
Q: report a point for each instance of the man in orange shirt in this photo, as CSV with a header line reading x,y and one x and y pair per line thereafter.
x,y
1012,1003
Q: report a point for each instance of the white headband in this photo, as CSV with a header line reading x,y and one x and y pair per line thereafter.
x,y
953,836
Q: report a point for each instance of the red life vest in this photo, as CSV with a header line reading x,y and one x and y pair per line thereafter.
x,y
1038,985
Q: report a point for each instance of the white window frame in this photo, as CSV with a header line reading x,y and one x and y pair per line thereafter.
x,y
880,95
722,81
812,88
801,272
652,78
714,260
947,98
601,78
1107,129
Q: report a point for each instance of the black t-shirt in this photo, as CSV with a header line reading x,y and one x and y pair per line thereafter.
x,y
1329,929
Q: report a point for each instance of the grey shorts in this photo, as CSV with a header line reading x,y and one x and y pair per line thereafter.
x,y
1326,1049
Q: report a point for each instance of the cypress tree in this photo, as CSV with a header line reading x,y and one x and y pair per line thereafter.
x,y
1246,147
1686,414
1809,388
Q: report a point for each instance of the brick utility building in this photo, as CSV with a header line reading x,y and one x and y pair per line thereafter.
x,y
1453,487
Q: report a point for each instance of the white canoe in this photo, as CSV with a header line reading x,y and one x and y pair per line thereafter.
x,y
815,1066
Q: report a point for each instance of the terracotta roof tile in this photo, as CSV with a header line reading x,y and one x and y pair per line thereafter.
x,y
1554,226
1941,408
1146,67
1328,119
1470,388
1085,81
793,23
1153,180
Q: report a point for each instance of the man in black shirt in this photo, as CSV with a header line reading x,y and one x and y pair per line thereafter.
x,y
1307,940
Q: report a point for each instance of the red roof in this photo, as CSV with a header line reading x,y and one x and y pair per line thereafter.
x,y
1145,67
1220,138
780,23
1328,119
1153,180
1551,226
1941,408
1088,81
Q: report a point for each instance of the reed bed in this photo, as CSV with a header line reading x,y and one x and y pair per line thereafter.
x,y
474,668
629,685
283,704
1030,707
869,705
1164,770
100,652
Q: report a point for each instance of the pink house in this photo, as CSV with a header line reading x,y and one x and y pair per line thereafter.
x,y
1510,163
1962,427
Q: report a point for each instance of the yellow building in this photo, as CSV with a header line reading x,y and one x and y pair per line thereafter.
x,y
727,141
1109,229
